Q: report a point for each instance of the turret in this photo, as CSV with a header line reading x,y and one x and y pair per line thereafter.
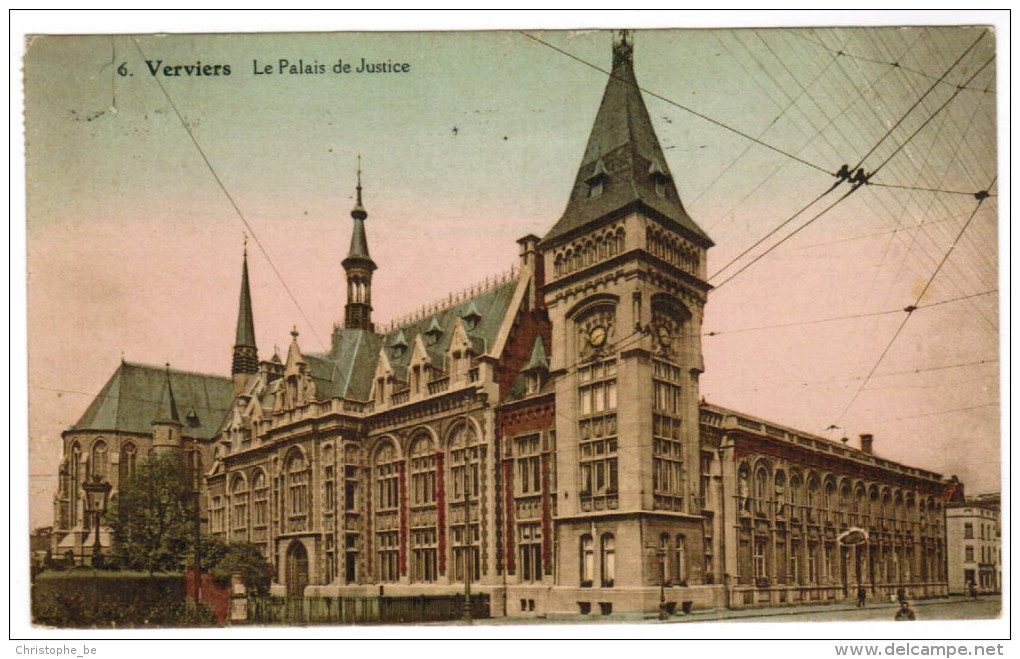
x,y
358,267
167,427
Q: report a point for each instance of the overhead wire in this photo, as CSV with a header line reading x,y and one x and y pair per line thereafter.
x,y
846,317
895,65
852,189
230,198
683,107
899,329
782,112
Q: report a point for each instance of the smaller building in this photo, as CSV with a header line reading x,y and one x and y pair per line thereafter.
x,y
974,531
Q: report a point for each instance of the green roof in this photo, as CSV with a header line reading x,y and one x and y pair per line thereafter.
x,y
491,308
131,400
347,371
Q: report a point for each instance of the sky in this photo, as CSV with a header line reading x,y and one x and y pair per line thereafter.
x,y
136,186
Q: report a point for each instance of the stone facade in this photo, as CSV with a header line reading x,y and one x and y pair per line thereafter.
x,y
974,535
542,436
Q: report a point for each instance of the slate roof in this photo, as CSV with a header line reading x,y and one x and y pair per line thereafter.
x,y
492,307
624,151
347,371
133,397
245,322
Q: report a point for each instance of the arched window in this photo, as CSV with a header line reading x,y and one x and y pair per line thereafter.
x,y
100,461
795,496
812,493
608,560
239,503
680,551
423,470
128,458
77,477
297,483
465,475
386,469
587,561
216,514
260,499
328,479
387,534
761,491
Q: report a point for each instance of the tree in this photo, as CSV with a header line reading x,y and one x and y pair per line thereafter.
x,y
246,560
152,517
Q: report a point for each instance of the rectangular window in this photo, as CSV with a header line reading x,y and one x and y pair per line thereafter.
x,y
667,447
759,559
529,542
968,554
598,460
968,530
386,482
529,476
388,555
329,500
423,555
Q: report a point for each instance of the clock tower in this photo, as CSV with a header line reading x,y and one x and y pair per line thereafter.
x,y
626,288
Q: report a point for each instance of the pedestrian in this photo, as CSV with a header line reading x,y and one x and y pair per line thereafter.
x,y
901,594
862,596
972,590
905,612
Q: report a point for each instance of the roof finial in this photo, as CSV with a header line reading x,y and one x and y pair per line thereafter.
x,y
294,333
245,238
623,48
359,211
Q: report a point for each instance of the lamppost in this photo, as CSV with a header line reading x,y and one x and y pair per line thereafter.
x,y
660,553
97,491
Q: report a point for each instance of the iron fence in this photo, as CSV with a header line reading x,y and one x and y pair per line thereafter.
x,y
271,610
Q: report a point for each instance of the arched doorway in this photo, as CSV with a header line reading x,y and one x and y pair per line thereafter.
x,y
297,569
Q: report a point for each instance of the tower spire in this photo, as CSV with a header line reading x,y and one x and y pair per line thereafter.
x,y
358,266
623,167
246,357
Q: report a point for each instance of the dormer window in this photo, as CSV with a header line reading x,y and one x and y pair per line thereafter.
x,y
192,418
660,177
471,317
399,345
597,180
433,333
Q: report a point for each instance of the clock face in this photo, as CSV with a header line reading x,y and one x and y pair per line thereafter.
x,y
664,337
597,336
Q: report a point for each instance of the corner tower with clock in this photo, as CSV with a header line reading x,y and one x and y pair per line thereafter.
x,y
626,288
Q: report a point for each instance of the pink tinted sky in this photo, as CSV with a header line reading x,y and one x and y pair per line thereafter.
x,y
134,250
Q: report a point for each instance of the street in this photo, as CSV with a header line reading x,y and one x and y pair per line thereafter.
x,y
954,608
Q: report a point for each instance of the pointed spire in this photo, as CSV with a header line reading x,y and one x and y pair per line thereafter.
x,y
359,241
168,404
246,355
358,266
623,166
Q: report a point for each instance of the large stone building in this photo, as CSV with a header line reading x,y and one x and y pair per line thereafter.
x,y
974,536
540,435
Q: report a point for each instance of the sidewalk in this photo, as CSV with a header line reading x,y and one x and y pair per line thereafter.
x,y
802,609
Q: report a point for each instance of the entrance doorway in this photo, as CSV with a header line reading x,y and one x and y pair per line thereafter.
x,y
297,569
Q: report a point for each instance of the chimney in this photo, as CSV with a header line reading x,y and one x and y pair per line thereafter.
x,y
531,262
866,443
